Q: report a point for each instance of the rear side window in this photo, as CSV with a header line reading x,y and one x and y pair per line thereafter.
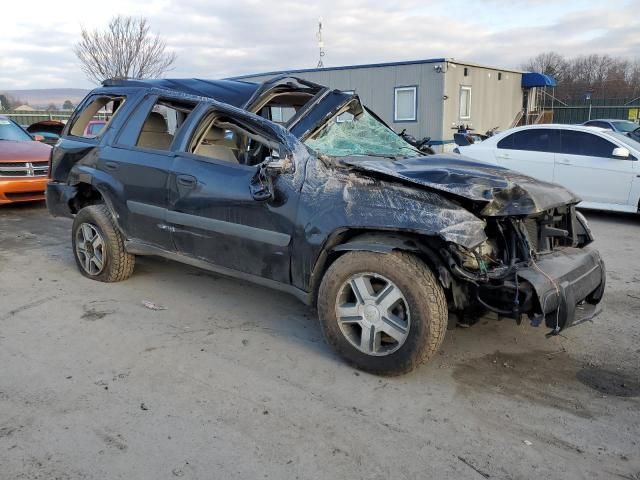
x,y
162,123
582,143
534,140
95,116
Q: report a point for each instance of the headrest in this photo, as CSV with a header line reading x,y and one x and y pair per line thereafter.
x,y
155,123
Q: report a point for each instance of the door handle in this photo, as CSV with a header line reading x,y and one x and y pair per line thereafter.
x,y
565,161
187,181
111,165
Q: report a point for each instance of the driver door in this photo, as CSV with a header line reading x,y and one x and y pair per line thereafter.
x,y
214,212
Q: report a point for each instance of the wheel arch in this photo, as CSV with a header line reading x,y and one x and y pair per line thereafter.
x,y
95,190
425,247
85,194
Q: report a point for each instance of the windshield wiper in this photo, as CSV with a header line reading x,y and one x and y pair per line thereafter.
x,y
380,155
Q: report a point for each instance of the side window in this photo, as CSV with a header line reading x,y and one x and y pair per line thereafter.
x,y
534,140
162,123
583,143
405,104
222,138
281,107
507,142
94,118
281,114
346,117
465,103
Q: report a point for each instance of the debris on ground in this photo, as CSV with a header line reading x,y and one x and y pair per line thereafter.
x,y
153,306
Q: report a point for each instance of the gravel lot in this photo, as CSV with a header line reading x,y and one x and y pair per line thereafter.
x,y
234,380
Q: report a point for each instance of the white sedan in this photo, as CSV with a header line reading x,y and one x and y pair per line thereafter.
x,y
600,166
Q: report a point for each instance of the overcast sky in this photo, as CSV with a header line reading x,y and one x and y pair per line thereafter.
x,y
230,37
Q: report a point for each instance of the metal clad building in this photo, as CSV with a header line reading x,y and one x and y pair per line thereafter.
x,y
427,97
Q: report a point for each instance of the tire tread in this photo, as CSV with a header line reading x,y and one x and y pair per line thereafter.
x,y
120,263
418,273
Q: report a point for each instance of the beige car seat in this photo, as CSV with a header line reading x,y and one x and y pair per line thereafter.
x,y
154,133
215,145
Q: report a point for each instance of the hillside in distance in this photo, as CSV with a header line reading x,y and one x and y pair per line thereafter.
x,y
43,97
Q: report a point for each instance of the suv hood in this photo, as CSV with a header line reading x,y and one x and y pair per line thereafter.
x,y
502,191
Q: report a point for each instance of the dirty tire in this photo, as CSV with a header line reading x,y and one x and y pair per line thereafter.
x,y
424,297
118,263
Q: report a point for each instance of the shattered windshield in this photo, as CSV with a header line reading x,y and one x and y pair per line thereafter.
x,y
356,132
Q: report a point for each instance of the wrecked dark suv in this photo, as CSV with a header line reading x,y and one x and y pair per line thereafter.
x,y
301,188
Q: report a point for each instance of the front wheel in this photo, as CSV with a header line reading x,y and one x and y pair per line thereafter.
x,y
98,246
383,313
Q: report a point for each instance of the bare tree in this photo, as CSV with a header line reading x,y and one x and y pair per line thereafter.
x,y
603,76
126,49
549,63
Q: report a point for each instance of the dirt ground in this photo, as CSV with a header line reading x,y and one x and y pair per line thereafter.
x,y
234,380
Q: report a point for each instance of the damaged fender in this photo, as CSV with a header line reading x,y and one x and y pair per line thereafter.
x,y
335,200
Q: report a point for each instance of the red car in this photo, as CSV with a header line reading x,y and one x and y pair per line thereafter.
x,y
24,164
94,127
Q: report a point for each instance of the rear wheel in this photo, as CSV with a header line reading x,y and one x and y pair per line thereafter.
x,y
383,313
98,246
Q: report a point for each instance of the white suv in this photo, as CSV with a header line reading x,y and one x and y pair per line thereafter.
x,y
601,166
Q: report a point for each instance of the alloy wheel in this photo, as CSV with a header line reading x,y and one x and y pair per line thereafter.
x,y
373,314
90,249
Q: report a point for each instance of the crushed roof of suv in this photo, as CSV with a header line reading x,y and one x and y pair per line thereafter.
x,y
232,92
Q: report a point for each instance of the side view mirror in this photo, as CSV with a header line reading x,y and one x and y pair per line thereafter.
x,y
621,152
278,166
37,138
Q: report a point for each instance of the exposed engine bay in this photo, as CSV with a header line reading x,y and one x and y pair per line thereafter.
x,y
496,273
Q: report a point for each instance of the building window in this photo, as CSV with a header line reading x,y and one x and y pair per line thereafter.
x,y
466,72
405,104
280,114
499,75
465,103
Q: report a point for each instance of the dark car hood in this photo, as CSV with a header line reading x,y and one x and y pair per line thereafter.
x,y
503,191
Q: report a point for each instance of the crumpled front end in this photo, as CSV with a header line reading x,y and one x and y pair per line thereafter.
x,y
537,266
561,280
496,191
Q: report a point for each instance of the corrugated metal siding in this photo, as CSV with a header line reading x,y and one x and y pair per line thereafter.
x,y
493,102
376,85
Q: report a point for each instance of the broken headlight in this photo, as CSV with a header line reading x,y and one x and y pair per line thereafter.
x,y
480,257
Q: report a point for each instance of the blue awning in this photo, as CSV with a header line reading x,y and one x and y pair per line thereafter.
x,y
533,79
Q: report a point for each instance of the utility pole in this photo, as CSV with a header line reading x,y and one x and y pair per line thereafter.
x,y
320,44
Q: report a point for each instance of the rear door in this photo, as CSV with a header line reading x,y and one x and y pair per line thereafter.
x,y
529,151
586,166
141,159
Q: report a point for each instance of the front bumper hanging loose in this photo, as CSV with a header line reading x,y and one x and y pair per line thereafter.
x,y
562,280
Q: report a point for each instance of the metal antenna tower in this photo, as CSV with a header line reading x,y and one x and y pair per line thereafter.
x,y
320,44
